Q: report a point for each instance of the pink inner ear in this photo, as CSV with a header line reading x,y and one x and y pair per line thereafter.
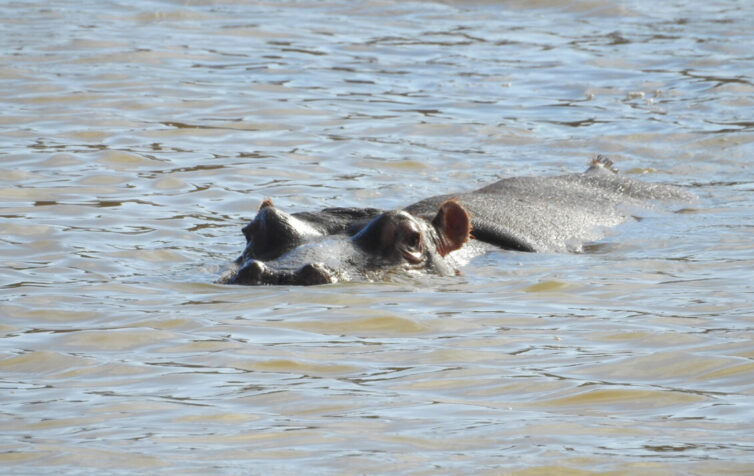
x,y
266,203
453,224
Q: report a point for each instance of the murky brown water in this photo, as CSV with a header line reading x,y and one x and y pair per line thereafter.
x,y
138,137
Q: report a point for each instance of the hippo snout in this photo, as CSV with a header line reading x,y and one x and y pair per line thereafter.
x,y
256,272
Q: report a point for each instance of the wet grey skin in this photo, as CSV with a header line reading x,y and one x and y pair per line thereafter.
x,y
309,252
527,214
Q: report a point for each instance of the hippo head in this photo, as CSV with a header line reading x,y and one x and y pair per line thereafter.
x,y
283,249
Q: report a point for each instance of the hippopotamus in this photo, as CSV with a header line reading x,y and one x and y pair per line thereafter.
x,y
441,233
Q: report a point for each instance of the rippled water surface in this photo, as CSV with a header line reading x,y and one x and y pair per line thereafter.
x,y
138,137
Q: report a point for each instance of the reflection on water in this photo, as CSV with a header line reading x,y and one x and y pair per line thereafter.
x,y
137,139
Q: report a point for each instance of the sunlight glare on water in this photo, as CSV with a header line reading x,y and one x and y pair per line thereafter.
x,y
139,137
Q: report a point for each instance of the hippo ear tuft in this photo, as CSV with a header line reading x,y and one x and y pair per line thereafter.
x,y
267,202
453,225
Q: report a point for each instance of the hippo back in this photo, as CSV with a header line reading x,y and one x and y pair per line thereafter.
x,y
553,214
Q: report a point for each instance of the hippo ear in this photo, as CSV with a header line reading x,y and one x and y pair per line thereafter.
x,y
453,225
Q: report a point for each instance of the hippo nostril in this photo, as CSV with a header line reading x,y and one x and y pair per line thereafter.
x,y
252,272
312,274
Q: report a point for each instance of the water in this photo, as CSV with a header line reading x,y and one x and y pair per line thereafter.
x,y
139,137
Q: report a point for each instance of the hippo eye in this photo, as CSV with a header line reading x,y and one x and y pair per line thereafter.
x,y
413,241
411,247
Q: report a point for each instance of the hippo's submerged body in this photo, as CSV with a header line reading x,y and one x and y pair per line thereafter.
x,y
555,214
